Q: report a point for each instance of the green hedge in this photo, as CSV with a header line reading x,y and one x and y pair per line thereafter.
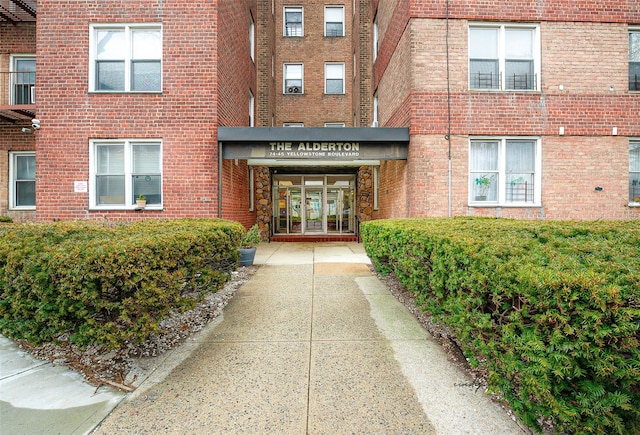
x,y
108,284
550,309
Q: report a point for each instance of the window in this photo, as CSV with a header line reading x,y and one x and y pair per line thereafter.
x,y
22,173
293,21
334,78
334,124
126,58
252,102
293,78
334,21
375,110
504,171
252,38
23,80
634,60
375,38
634,171
122,170
503,57
293,124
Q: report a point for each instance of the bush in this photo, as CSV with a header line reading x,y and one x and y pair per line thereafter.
x,y
550,309
108,284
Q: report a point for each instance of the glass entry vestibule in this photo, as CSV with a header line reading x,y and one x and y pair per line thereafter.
x,y
313,204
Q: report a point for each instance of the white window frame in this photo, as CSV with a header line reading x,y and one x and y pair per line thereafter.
x,y
252,104
327,65
342,21
500,174
292,8
18,79
128,56
252,38
13,156
633,30
636,192
375,38
502,84
293,124
128,193
334,124
285,78
376,107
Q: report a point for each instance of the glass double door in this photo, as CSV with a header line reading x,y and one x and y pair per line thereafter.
x,y
313,210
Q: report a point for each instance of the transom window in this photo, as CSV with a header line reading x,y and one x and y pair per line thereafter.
x,y
634,60
293,78
504,171
126,58
123,170
334,21
293,21
503,57
334,78
634,171
22,173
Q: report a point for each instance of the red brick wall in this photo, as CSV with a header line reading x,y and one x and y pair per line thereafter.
x,y
589,59
237,76
14,39
614,11
313,108
184,115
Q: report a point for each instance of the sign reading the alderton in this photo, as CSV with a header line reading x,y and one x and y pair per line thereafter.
x,y
313,149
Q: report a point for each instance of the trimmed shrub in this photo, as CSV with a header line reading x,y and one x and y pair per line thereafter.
x,y
550,309
108,284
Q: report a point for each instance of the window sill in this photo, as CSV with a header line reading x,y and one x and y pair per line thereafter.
x,y
29,208
634,204
127,208
505,91
478,204
123,92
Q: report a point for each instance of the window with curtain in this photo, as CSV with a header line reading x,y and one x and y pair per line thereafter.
x,y
634,60
334,21
22,173
124,170
503,57
634,171
334,78
504,171
126,58
293,21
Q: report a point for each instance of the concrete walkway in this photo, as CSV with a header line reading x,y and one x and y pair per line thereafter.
x,y
312,344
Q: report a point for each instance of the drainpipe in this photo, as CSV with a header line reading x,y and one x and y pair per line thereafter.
x,y
448,135
219,179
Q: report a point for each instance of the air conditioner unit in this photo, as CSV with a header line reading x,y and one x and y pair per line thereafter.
x,y
294,90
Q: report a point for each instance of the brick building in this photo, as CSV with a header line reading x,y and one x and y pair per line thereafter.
x,y
525,109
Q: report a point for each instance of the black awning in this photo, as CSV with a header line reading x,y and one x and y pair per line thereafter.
x,y
302,143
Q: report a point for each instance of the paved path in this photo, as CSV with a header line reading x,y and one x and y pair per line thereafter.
x,y
312,344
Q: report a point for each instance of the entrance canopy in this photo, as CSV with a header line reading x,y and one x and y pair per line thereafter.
x,y
299,146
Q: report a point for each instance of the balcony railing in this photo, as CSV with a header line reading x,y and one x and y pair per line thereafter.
x,y
634,82
17,88
512,82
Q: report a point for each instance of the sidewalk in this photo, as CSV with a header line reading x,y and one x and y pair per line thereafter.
x,y
312,344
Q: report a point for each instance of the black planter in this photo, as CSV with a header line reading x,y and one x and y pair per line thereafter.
x,y
246,256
